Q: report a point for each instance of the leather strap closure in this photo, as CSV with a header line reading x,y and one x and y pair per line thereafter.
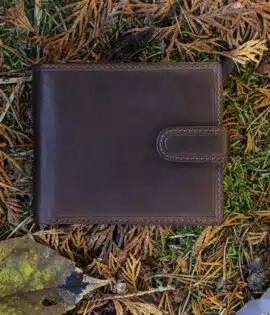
x,y
193,144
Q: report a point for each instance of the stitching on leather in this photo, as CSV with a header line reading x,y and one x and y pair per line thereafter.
x,y
213,98
135,220
124,66
180,131
218,99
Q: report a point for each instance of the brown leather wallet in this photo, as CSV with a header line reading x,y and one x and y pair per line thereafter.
x,y
128,143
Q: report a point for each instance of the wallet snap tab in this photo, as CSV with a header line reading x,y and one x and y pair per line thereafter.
x,y
193,144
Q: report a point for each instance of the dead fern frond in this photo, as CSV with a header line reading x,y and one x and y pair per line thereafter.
x,y
131,272
10,159
10,170
114,263
201,25
142,240
139,308
208,45
208,236
99,235
111,269
212,234
251,51
154,10
263,97
6,182
74,244
101,240
52,237
89,20
256,238
105,270
210,18
196,307
2,217
118,307
14,211
237,22
165,304
211,301
12,136
15,15
89,307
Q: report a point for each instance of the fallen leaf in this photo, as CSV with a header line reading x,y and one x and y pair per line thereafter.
x,y
35,277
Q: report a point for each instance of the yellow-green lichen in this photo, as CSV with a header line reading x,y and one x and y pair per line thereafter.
x,y
6,309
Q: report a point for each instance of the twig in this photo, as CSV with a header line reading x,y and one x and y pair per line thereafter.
x,y
188,296
262,114
9,103
182,235
168,275
4,81
181,312
131,295
23,153
241,240
32,227
25,221
60,16
170,46
224,261
9,187
25,59
37,16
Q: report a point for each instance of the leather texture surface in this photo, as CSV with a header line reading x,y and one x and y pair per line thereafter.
x,y
128,143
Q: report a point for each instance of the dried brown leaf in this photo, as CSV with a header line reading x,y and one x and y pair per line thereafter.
x,y
32,273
